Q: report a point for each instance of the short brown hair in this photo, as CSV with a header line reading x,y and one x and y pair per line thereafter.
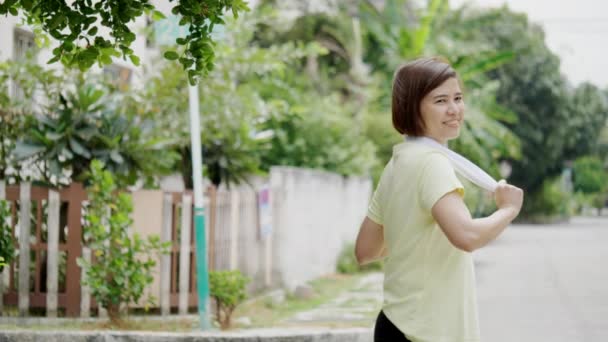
x,y
412,82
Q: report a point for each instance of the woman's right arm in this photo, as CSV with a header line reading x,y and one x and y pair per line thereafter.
x,y
370,242
469,234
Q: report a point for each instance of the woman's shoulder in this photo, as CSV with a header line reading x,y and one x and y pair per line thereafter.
x,y
410,153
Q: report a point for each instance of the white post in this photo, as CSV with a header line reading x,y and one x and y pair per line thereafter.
x,y
105,221
184,255
165,262
24,248
52,264
85,292
234,228
202,271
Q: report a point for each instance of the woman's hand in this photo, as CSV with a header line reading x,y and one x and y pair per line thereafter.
x,y
509,197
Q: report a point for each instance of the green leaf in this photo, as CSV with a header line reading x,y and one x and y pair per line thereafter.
x,y
24,150
171,55
116,157
92,31
157,15
54,59
77,148
134,59
105,59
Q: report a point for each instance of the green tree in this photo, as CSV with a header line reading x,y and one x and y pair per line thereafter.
x,y
589,175
75,25
532,87
252,129
228,288
588,112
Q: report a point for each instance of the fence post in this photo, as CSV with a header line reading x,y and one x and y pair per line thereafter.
x,y
184,254
2,197
52,265
24,248
165,262
210,217
77,195
85,300
234,228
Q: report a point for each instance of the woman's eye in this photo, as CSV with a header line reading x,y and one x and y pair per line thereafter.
x,y
458,99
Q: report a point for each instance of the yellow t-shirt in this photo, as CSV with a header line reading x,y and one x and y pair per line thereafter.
x,y
429,285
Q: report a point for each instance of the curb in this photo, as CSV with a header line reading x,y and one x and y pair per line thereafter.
x,y
262,335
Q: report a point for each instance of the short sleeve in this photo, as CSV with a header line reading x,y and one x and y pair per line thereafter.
x,y
437,179
374,211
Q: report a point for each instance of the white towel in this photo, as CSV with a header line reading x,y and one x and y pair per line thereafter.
x,y
461,164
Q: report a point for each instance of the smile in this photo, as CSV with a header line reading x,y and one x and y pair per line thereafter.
x,y
452,123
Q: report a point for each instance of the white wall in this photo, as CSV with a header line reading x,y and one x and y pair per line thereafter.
x,y
315,213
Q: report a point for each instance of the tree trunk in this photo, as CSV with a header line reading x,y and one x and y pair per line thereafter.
x,y
114,313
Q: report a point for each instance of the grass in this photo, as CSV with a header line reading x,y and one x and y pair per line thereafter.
x,y
263,313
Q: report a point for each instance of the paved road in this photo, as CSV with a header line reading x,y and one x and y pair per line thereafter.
x,y
545,283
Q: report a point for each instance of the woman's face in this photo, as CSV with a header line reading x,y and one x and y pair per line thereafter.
x,y
442,111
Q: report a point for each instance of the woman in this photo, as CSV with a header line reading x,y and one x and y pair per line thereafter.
x,y
417,217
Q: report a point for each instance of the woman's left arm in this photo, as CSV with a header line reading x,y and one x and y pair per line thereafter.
x,y
370,242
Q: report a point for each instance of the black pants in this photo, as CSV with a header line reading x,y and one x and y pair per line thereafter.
x,y
386,331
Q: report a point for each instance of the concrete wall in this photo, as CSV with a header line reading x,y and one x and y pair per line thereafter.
x,y
315,214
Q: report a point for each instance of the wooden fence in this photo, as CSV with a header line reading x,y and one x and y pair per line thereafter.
x,y
47,230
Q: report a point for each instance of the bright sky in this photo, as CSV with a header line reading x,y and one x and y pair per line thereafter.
x,y
576,30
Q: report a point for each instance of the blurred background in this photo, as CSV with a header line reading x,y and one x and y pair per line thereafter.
x,y
296,129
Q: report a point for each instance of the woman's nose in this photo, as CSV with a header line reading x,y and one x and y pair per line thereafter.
x,y
452,108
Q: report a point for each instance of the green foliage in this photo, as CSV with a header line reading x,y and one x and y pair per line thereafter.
x,y
122,262
347,262
228,288
551,202
588,114
7,248
320,136
81,43
87,122
273,116
589,175
28,79
531,86
392,36
11,128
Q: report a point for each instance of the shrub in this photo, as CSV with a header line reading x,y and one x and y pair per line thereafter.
x,y
7,250
122,264
589,175
551,201
228,290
